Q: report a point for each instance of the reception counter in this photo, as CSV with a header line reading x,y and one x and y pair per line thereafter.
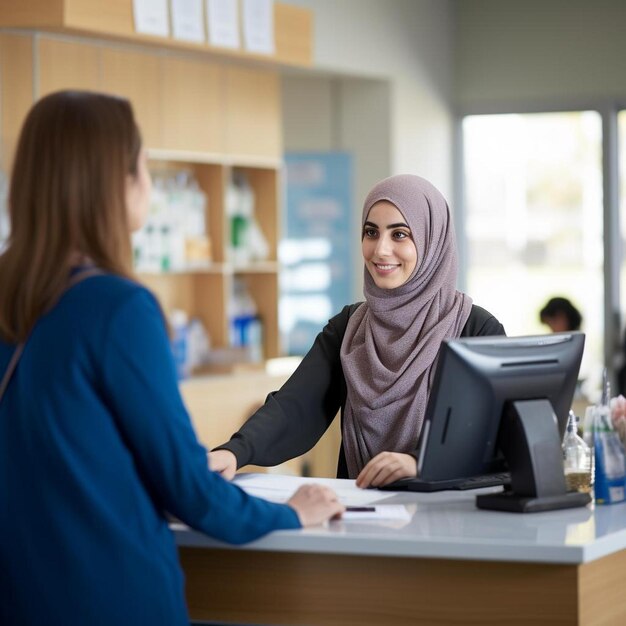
x,y
447,563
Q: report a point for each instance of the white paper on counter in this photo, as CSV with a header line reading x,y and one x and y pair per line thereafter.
x,y
187,20
222,21
151,17
258,26
278,488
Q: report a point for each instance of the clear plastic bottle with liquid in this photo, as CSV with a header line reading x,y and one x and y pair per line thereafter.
x,y
610,462
576,459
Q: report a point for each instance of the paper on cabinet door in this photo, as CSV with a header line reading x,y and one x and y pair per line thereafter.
x,y
187,20
151,17
258,26
222,19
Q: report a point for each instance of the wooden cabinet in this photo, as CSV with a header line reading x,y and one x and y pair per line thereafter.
x,y
253,113
136,76
233,399
293,27
204,293
199,107
67,65
198,115
196,112
192,102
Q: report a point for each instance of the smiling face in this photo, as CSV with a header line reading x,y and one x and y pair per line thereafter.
x,y
388,247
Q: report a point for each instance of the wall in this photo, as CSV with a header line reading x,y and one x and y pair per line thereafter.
x,y
322,113
538,51
409,44
381,88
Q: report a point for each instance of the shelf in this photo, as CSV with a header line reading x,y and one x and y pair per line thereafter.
x,y
113,19
209,268
214,158
262,267
217,120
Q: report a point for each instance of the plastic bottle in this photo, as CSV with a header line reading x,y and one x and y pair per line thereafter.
x,y
259,248
196,242
245,324
240,208
165,260
576,459
242,310
147,242
587,429
255,340
198,344
152,250
610,464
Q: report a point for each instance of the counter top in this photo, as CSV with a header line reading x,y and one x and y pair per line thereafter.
x,y
443,525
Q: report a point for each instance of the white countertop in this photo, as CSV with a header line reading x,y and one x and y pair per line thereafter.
x,y
447,525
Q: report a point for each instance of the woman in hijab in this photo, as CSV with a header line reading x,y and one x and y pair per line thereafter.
x,y
374,360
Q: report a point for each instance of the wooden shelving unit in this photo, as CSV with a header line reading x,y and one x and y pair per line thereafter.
x,y
195,113
200,108
113,19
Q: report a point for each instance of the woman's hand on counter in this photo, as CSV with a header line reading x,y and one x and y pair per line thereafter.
x,y
224,462
386,468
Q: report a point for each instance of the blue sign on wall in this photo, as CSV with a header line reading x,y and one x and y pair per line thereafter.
x,y
316,248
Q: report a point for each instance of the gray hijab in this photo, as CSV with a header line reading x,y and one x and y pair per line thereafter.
x,y
391,343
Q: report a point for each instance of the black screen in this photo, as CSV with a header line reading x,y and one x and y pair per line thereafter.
x,y
475,378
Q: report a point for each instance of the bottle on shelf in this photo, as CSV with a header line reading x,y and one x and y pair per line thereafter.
x,y
247,241
174,236
198,345
166,248
610,462
576,459
239,208
246,330
197,245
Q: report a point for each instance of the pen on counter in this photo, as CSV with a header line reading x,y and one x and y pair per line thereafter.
x,y
360,509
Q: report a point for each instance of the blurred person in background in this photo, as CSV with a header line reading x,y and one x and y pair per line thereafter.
x,y
560,315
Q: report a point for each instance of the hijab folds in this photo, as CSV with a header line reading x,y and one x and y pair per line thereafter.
x,y
390,347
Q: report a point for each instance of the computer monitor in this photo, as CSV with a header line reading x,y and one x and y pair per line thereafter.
x,y
501,404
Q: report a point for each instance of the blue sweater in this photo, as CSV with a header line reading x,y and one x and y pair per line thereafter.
x,y
95,447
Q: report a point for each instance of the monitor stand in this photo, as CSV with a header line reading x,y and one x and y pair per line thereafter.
x,y
529,440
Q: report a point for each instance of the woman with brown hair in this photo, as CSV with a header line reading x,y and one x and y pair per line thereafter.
x,y
95,443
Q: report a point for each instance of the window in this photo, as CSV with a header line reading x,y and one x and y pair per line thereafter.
x,y
533,220
620,361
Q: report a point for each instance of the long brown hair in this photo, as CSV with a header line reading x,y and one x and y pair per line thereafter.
x,y
67,198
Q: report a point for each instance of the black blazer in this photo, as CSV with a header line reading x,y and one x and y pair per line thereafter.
x,y
294,418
